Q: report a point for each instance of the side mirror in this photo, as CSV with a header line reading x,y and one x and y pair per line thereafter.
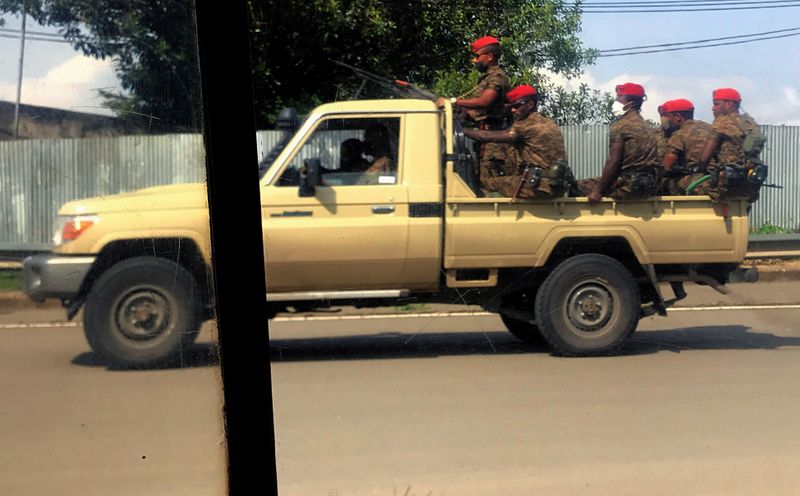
x,y
309,177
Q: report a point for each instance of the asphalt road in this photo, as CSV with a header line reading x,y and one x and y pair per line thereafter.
x,y
703,402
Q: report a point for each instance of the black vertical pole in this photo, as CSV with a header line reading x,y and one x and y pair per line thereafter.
x,y
234,202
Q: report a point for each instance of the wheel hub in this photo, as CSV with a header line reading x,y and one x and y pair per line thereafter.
x,y
143,315
589,306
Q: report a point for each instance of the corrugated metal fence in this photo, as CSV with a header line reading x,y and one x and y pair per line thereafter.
x,y
37,176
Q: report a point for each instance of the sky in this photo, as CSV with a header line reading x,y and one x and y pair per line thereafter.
x,y
766,73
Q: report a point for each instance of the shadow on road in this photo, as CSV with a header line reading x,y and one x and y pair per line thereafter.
x,y
432,345
725,337
398,345
198,355
394,345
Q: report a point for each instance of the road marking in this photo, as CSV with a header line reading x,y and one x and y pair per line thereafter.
x,y
317,318
39,325
734,307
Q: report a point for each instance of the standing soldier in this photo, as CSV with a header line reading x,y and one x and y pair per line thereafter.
x,y
686,139
732,148
484,104
631,169
536,157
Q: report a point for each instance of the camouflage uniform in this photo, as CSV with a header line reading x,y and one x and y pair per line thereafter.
x,y
687,143
538,142
639,158
730,130
492,154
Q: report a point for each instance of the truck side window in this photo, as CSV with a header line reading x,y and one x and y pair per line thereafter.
x,y
352,151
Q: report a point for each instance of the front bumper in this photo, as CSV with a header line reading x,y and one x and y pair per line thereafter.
x,y
54,276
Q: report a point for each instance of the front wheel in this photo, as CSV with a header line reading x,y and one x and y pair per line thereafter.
x,y
588,305
142,311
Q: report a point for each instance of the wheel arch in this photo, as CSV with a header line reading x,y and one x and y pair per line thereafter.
x,y
180,250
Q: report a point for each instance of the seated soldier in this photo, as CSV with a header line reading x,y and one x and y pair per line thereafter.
x,y
686,139
535,151
376,144
732,147
350,156
630,171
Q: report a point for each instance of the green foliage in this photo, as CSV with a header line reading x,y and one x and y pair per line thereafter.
x,y
153,46
769,228
421,41
10,280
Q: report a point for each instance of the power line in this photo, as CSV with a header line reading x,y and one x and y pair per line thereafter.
x,y
698,41
27,32
700,46
31,38
682,3
677,8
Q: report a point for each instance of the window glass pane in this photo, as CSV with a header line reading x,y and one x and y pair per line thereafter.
x,y
353,151
110,379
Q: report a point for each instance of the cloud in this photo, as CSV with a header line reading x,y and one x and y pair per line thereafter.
x,y
70,85
778,105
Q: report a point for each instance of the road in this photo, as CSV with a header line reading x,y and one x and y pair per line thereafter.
x,y
703,402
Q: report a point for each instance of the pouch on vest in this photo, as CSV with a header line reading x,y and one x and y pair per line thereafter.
x,y
754,141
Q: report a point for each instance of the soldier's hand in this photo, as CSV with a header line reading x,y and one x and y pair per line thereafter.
x,y
441,101
594,197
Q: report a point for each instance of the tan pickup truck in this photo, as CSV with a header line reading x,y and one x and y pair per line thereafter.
x,y
393,214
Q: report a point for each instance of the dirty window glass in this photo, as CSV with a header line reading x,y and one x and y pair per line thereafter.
x,y
110,379
353,151
438,337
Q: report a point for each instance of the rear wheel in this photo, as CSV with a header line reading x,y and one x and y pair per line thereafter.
x,y
522,330
588,305
142,311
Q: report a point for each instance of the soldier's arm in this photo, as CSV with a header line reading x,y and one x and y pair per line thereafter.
x,y
484,136
669,160
482,101
610,170
709,147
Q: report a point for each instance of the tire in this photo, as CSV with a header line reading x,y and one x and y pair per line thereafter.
x,y
142,311
522,330
589,305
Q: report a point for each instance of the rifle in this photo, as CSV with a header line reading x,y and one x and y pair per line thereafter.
x,y
399,87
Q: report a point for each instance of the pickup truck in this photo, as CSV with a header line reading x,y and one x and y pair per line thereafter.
x,y
577,275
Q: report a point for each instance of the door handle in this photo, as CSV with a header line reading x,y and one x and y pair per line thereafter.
x,y
293,213
383,209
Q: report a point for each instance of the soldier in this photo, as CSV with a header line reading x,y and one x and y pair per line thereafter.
x,y
686,139
377,144
536,156
484,104
630,171
732,148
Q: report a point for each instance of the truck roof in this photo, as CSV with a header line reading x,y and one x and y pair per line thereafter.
x,y
377,106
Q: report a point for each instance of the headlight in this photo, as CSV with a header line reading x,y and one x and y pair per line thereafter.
x,y
69,227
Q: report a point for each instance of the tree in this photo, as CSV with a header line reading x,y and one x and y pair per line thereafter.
x,y
153,46
423,41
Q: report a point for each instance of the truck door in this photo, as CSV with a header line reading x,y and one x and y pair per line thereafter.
x,y
353,233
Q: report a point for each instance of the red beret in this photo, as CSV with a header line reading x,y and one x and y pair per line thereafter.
x,y
484,42
630,89
679,105
726,94
520,91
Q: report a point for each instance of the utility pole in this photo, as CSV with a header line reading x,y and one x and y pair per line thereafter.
x,y
21,60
